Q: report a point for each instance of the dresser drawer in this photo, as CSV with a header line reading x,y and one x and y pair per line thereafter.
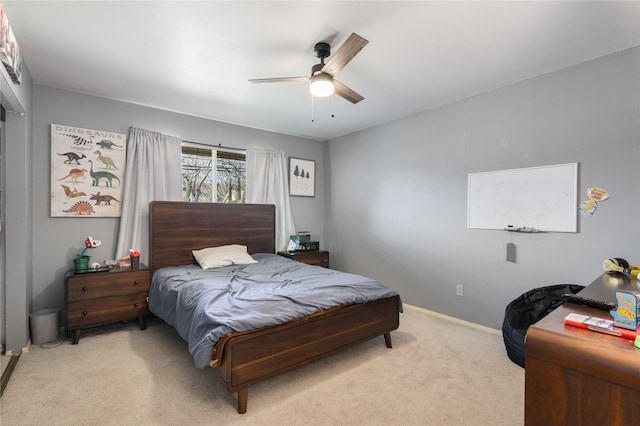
x,y
85,313
106,285
321,259
315,257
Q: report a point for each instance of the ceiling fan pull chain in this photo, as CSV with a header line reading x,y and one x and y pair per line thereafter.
x,y
332,110
312,108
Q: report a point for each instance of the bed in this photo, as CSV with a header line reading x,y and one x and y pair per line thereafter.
x,y
249,356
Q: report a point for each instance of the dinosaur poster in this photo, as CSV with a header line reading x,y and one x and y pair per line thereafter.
x,y
87,172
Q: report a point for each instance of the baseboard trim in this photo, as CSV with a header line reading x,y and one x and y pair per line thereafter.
x,y
6,375
453,319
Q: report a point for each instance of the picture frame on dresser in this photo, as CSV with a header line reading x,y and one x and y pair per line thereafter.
x,y
302,177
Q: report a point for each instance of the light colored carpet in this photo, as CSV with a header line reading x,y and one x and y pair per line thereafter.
x,y
438,373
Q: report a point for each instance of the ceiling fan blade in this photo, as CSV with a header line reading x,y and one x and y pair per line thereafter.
x,y
345,92
344,54
278,80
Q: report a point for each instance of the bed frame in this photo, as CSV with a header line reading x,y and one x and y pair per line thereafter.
x,y
177,228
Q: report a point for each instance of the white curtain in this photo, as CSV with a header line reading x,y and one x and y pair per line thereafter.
x,y
267,184
153,173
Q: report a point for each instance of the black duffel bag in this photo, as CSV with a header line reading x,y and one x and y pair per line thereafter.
x,y
528,309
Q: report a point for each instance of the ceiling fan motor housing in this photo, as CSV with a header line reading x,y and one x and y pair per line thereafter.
x,y
322,49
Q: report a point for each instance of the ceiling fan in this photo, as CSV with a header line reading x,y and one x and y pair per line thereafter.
x,y
322,75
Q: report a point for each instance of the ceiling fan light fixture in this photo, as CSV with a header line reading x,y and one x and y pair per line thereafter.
x,y
321,85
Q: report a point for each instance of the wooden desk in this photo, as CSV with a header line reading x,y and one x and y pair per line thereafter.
x,y
579,377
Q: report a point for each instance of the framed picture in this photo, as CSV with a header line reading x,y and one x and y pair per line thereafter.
x,y
87,172
302,177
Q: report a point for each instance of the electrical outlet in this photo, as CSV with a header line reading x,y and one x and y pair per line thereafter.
x,y
460,290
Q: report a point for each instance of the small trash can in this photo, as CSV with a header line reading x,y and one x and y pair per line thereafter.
x,y
45,326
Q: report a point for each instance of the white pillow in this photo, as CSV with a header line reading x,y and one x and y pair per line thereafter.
x,y
215,257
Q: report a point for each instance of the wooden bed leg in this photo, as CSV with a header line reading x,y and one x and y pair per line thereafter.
x,y
387,339
242,399
142,323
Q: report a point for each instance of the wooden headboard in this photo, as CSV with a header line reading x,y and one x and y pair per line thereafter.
x,y
177,228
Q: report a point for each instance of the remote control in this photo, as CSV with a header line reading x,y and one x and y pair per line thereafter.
x,y
593,303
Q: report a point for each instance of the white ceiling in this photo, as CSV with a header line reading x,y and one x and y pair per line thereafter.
x,y
196,57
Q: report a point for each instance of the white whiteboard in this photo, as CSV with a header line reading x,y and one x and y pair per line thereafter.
x,y
544,198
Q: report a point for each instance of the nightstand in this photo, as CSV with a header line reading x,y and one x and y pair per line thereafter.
x,y
98,298
316,257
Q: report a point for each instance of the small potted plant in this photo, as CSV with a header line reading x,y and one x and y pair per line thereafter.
x,y
81,262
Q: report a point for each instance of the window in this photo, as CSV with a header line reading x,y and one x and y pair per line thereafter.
x,y
202,166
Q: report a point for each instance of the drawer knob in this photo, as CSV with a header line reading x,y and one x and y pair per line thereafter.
x,y
84,289
135,305
136,283
84,313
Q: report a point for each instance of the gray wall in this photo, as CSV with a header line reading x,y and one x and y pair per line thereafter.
x,y
396,202
55,241
16,197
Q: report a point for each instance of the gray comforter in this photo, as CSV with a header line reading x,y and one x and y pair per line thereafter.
x,y
204,305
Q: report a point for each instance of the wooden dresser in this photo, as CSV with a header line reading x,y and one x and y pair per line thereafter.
x,y
98,298
316,257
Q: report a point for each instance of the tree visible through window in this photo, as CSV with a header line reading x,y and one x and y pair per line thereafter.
x,y
202,166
